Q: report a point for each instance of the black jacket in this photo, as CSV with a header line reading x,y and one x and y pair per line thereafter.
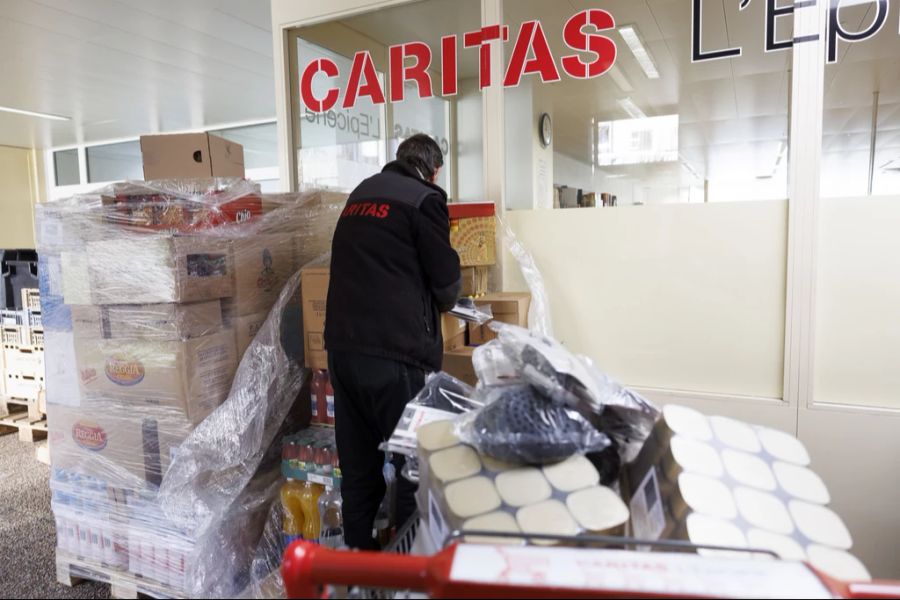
x,y
393,270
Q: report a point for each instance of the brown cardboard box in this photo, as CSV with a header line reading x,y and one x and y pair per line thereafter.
x,y
262,265
507,307
147,321
459,364
151,270
76,281
474,281
453,331
193,376
245,329
314,294
113,443
190,156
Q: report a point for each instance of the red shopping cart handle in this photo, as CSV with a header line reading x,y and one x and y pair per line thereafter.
x,y
486,571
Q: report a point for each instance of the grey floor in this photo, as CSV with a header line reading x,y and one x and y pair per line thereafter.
x,y
27,532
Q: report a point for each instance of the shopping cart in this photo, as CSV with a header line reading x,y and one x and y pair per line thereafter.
x,y
601,567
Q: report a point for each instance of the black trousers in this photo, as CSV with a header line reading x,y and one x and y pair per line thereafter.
x,y
370,394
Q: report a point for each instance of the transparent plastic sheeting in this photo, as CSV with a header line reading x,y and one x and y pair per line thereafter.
x,y
539,311
563,380
165,452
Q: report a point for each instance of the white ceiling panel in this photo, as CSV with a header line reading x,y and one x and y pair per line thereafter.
x,y
120,69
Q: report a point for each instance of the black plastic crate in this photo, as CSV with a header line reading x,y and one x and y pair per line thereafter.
x,y
18,270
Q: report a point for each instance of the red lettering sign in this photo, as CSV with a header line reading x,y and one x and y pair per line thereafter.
x,y
531,38
327,66
603,48
363,81
410,62
399,73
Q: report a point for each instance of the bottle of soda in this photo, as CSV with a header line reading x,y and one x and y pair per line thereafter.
x,y
329,401
317,397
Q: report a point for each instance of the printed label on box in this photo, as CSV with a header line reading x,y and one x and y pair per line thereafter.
x,y
647,518
414,417
436,525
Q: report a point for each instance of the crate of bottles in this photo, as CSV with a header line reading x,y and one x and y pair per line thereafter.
x,y
311,455
311,495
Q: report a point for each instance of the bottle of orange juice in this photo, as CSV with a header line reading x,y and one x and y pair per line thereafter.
x,y
309,502
292,502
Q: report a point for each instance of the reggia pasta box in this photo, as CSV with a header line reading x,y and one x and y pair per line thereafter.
x,y
193,376
114,443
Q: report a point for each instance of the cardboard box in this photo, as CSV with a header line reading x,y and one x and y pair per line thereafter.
x,y
474,281
151,270
142,208
453,332
507,307
191,156
262,265
459,364
314,294
473,233
193,376
76,282
115,444
245,329
147,321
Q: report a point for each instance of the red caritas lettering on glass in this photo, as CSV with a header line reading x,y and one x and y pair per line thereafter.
x,y
410,62
367,209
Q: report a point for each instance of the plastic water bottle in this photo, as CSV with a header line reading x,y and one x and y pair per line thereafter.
x,y
332,527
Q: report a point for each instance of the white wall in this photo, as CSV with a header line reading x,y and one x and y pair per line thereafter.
x,y
19,186
543,163
682,297
857,344
525,154
469,142
518,112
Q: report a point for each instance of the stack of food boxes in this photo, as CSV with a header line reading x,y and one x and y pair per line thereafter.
x,y
473,236
23,352
154,291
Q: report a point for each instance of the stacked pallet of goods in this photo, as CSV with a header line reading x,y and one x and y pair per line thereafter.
x,y
152,293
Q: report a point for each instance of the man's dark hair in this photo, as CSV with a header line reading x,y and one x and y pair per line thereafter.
x,y
423,153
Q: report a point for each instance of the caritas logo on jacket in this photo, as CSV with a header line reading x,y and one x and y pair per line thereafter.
x,y
367,209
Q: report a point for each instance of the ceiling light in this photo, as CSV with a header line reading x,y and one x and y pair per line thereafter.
x,y
620,79
630,34
634,111
616,176
32,113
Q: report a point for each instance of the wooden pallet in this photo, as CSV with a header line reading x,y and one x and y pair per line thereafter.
x,y
22,417
42,452
72,570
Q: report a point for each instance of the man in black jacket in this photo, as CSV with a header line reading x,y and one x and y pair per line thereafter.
x,y
393,272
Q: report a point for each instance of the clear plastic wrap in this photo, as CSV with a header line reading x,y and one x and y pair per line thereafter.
x,y
174,361
443,398
572,381
539,312
519,424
